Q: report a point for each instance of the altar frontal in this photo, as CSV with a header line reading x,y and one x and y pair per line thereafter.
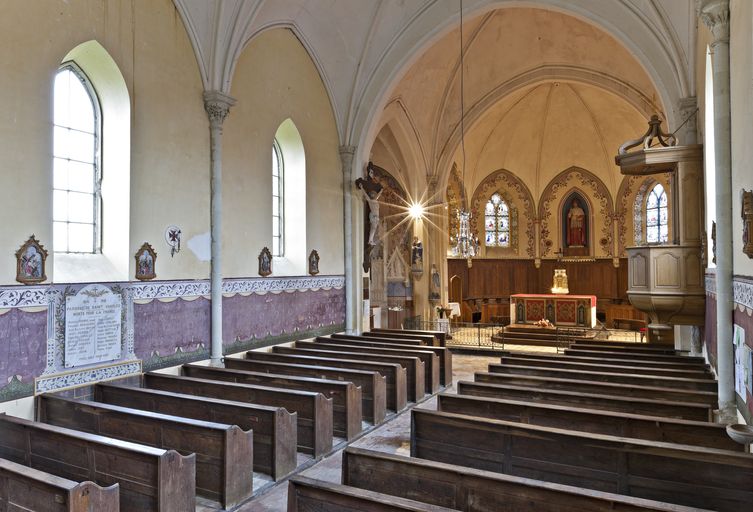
x,y
560,310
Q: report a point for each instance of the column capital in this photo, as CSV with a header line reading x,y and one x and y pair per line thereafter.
x,y
715,15
217,104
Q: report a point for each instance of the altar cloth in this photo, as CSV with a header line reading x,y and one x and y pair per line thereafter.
x,y
561,310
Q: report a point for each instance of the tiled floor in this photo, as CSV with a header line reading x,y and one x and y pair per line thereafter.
x,y
392,436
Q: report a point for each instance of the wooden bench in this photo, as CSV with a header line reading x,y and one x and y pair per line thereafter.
x,y
394,373
402,337
687,475
24,488
462,488
372,383
590,386
630,324
651,428
346,396
224,453
309,495
149,478
440,336
444,354
414,367
524,360
395,341
600,401
611,354
430,359
637,348
314,410
609,376
623,362
273,427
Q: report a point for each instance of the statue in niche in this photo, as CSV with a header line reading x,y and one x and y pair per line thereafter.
x,y
371,190
746,197
436,283
576,225
417,257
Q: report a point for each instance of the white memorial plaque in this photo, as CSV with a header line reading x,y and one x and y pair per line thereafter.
x,y
92,326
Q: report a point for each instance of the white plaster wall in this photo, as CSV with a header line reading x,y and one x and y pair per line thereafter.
x,y
169,141
274,80
741,89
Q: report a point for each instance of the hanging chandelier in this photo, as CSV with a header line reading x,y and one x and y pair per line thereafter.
x,y
466,244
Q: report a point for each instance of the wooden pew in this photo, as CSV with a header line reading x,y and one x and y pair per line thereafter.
x,y
574,365
444,354
687,475
24,488
440,336
657,358
637,348
395,341
590,386
608,376
623,362
395,375
462,488
273,427
224,456
149,478
402,337
650,428
414,367
314,409
430,359
346,396
600,401
372,384
309,495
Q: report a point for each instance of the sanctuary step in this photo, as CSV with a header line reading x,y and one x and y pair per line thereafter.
x,y
521,334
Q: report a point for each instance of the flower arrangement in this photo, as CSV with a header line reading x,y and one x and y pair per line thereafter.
x,y
443,310
543,323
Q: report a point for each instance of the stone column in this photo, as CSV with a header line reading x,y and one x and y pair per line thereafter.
x,y
352,302
715,14
217,106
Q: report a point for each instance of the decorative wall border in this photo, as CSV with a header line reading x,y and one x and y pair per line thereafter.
x,y
24,296
742,292
77,378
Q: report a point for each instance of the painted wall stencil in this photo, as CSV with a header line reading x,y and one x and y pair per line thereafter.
x,y
747,215
314,262
172,237
265,262
146,261
30,262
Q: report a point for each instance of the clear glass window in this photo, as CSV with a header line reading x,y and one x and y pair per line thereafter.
x,y
278,205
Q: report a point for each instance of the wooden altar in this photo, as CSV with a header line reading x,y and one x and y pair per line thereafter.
x,y
561,310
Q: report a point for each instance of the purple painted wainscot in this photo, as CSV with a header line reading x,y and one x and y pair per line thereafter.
x,y
23,351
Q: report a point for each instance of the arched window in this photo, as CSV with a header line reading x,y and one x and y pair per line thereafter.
x,y
497,222
76,163
278,201
657,230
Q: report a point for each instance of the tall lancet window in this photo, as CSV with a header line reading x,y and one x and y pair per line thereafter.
x,y
278,206
497,222
657,216
76,154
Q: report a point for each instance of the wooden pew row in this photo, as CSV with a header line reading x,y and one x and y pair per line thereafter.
x,y
650,428
346,396
444,354
440,336
430,359
628,349
638,357
599,401
384,339
571,365
273,427
150,479
314,410
611,343
414,367
425,339
224,453
622,362
372,384
461,488
310,495
590,386
395,375
24,488
686,475
607,376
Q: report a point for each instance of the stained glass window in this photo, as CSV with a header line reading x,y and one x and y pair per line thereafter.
x,y
657,216
75,168
278,206
497,222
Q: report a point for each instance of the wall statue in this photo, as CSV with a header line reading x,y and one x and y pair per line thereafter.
x,y
576,225
371,190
